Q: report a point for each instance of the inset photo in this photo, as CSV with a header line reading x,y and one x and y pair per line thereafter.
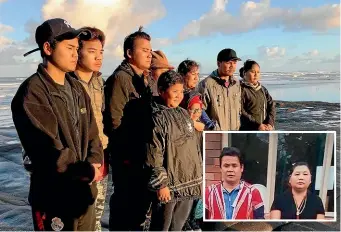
x,y
270,176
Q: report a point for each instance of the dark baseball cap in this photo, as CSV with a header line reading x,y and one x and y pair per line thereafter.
x,y
57,29
227,54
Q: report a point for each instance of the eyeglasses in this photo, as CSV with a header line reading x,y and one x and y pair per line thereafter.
x,y
195,111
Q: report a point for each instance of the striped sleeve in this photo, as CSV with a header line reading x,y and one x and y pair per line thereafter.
x,y
155,156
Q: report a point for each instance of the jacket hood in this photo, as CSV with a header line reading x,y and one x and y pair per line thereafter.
x,y
215,76
251,86
125,67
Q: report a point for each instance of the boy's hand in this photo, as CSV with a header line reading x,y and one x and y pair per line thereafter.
x,y
164,194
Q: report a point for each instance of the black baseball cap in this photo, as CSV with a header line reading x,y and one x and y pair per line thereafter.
x,y
227,54
57,29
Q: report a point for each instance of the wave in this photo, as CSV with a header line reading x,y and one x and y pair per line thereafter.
x,y
9,85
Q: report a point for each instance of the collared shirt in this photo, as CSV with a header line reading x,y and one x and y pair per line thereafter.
x,y
229,198
95,90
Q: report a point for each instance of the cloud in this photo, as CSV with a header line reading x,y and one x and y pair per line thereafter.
x,y
314,57
313,53
5,41
5,28
254,15
161,43
117,18
9,54
271,52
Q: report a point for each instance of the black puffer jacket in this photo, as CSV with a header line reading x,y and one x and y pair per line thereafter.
x,y
173,153
257,107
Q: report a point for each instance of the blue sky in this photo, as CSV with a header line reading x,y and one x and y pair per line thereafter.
x,y
282,35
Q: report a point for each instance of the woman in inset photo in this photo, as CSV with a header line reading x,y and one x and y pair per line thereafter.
x,y
298,202
258,108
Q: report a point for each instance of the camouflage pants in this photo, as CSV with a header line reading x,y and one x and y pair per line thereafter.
x,y
100,201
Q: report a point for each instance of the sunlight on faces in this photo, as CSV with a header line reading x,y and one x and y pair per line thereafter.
x,y
141,55
91,56
65,55
300,179
231,169
173,95
195,111
192,78
227,68
253,75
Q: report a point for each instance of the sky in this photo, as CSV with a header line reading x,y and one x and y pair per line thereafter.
x,y
281,35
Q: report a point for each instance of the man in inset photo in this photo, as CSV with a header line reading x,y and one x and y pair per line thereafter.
x,y
232,198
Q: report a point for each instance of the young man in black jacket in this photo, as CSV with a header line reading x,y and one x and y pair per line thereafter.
x,y
56,126
127,120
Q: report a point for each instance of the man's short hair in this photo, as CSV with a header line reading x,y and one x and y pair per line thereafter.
x,y
231,151
129,41
96,34
168,79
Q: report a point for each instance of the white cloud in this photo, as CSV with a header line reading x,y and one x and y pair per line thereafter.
x,y
254,15
161,43
5,41
9,54
313,53
117,18
314,57
5,28
271,52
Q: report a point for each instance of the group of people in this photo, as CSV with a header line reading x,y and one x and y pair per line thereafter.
x,y
234,198
145,120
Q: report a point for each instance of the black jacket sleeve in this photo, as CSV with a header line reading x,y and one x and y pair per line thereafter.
x,y
270,109
155,155
117,96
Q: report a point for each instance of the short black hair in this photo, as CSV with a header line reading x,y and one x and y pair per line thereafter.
x,y
231,151
129,41
247,66
300,163
168,79
186,66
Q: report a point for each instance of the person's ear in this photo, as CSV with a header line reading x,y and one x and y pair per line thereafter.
x,y
47,48
130,53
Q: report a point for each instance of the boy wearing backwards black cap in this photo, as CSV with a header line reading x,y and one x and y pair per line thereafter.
x,y
56,126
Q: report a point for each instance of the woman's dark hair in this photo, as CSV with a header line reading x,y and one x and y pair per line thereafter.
x,y
186,66
247,66
168,79
231,151
294,165
129,41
